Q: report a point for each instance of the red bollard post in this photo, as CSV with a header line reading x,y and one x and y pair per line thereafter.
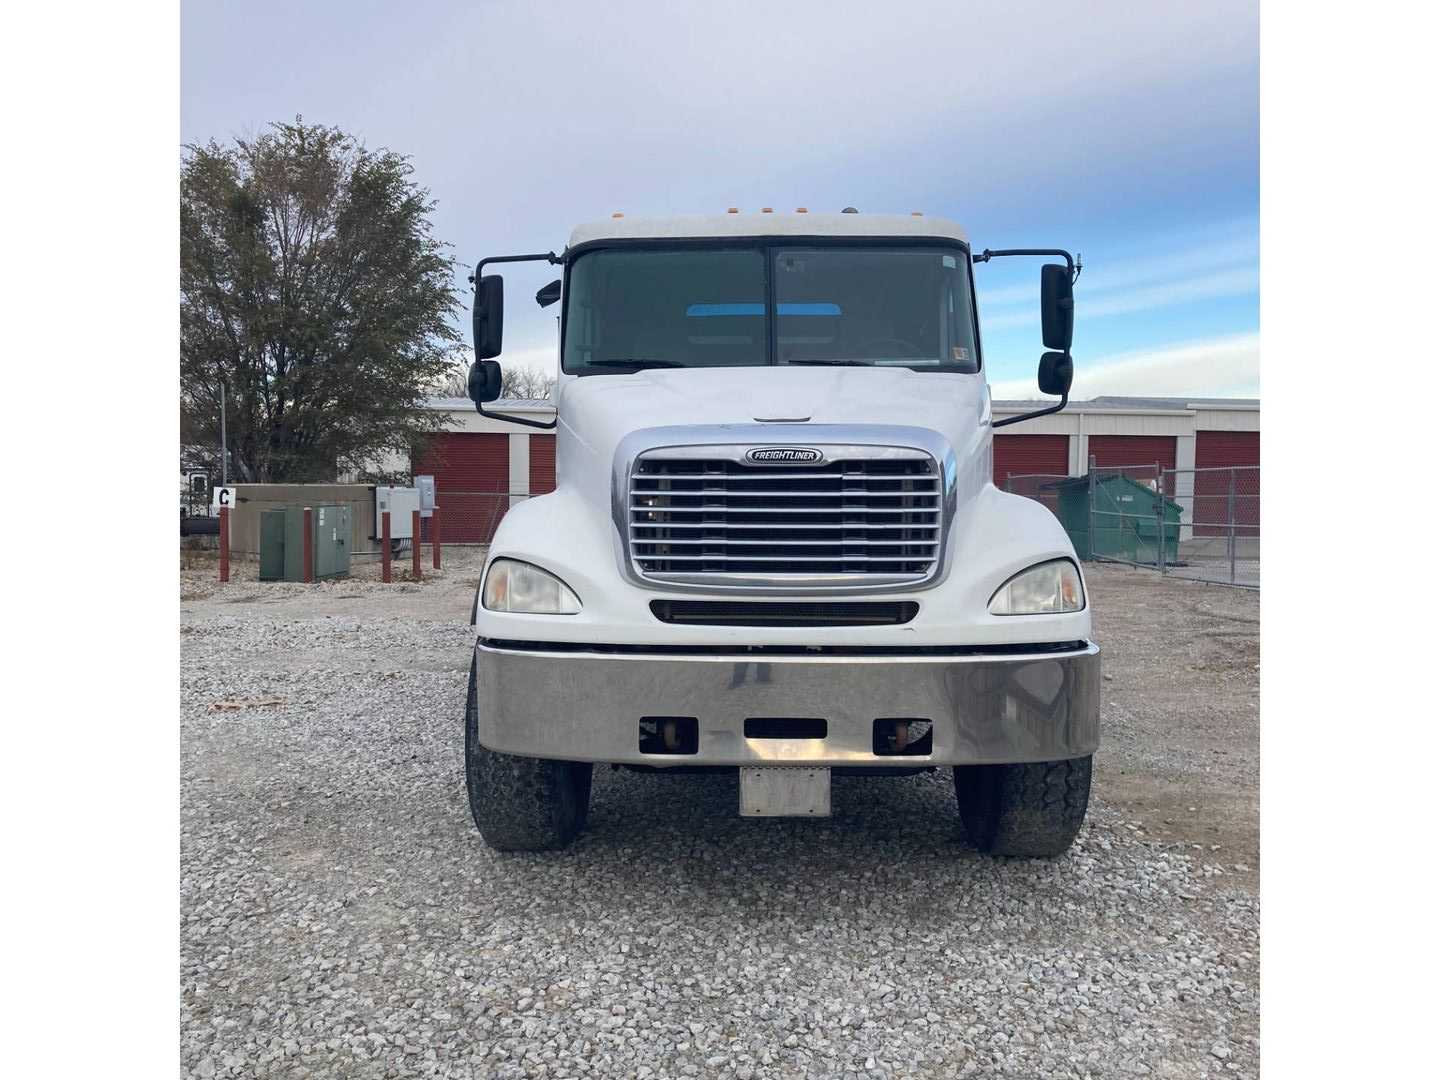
x,y
308,548
385,546
435,538
224,543
415,544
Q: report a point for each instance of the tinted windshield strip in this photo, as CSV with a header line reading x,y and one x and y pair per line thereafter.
x,y
882,325
704,311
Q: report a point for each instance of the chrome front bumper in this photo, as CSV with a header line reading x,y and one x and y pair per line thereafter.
x,y
586,706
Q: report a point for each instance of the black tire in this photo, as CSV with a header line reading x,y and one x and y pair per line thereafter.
x,y
522,803
1032,810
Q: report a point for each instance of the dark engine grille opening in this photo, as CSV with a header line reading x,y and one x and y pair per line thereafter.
x,y
785,727
786,613
903,737
862,516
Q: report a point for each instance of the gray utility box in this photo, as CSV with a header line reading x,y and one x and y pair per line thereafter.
x,y
402,503
282,543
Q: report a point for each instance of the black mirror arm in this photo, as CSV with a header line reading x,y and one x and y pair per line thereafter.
x,y
1074,264
511,418
547,256
1064,400
553,260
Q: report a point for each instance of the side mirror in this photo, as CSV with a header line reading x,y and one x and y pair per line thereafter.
x,y
484,382
549,294
1057,371
1057,307
487,318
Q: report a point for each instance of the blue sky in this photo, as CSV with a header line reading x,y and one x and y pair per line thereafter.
x,y
1129,133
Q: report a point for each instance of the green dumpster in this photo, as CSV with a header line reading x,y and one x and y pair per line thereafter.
x,y
1118,517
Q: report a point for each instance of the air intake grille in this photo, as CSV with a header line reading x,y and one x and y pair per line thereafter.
x,y
859,519
783,613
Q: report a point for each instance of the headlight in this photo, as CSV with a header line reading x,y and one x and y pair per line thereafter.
x,y
520,588
1050,588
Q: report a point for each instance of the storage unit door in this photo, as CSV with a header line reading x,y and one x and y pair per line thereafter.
x,y
542,464
1138,451
1030,455
1217,453
472,483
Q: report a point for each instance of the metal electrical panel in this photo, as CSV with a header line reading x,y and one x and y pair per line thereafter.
x,y
272,545
282,543
332,541
402,502
425,485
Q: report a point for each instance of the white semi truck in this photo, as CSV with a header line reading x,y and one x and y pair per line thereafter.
x,y
774,545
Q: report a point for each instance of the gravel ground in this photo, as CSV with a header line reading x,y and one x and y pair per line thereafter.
x,y
341,916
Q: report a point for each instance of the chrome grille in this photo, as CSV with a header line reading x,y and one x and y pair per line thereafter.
x,y
854,520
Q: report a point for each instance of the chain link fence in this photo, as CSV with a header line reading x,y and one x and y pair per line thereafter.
x,y
1220,534
1198,524
468,517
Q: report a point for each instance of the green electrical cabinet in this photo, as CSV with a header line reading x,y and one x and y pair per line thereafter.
x,y
332,542
272,545
1117,517
282,543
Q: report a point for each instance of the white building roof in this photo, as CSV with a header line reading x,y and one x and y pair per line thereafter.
x,y
696,226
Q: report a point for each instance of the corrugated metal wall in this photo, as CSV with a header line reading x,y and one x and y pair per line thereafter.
x,y
542,464
472,483
1116,451
1215,498
1030,455
1217,449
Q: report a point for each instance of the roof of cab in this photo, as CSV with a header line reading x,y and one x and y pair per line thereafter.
x,y
698,226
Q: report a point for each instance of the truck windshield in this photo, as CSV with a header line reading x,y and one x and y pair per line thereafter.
x,y
705,307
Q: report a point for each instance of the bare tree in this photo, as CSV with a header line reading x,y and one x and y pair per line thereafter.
x,y
518,381
521,381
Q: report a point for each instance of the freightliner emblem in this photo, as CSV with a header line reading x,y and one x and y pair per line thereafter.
x,y
784,455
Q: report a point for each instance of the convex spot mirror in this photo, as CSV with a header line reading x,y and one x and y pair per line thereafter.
x,y
1057,371
549,294
484,382
1057,307
487,318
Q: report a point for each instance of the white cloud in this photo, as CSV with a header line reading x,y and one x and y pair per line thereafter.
x,y
1209,270
1217,367
543,359
1238,249
1241,281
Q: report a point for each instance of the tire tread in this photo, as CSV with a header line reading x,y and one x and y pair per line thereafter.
x,y
522,803
1030,809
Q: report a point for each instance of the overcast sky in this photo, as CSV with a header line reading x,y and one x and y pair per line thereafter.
x,y
1128,132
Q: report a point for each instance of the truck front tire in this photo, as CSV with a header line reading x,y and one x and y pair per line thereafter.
x,y
521,803
1032,810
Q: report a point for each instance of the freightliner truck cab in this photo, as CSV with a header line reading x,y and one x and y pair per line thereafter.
x,y
775,545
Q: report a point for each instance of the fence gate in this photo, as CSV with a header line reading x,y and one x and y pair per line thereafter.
x,y
1220,536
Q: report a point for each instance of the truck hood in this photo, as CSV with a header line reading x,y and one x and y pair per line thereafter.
x,y
597,411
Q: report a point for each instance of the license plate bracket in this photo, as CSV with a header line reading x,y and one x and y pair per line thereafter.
x,y
784,791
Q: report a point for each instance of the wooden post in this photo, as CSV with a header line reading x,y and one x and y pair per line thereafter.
x,y
385,546
415,544
435,538
224,543
307,550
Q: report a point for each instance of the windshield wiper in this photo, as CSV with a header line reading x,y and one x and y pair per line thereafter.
x,y
631,361
835,363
